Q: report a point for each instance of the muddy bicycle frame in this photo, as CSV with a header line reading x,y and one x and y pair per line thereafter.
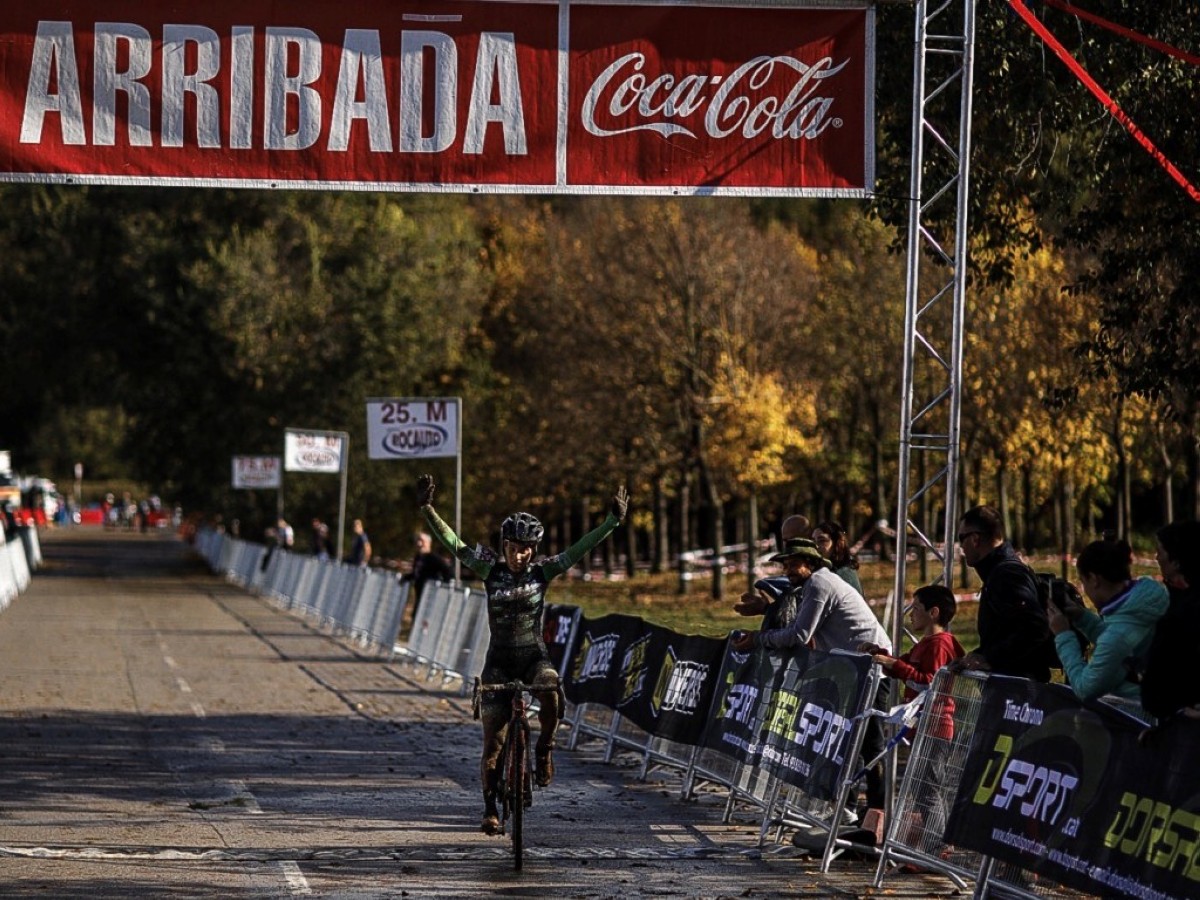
x,y
514,762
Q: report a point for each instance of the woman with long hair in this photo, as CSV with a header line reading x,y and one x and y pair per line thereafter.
x,y
830,538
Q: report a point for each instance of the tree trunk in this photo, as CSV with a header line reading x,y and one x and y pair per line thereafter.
x,y
585,525
660,538
683,504
716,521
1192,443
1068,522
751,537
1164,452
1002,495
1027,506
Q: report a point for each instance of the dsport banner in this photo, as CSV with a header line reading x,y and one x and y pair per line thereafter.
x,y
792,714
456,95
1067,791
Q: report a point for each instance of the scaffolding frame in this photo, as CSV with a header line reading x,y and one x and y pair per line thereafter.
x,y
931,386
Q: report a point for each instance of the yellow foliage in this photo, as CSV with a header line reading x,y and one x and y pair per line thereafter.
x,y
757,427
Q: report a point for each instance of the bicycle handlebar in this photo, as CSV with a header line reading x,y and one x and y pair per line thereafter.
x,y
481,689
520,686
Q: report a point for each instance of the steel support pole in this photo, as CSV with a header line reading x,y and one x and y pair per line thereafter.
x,y
931,382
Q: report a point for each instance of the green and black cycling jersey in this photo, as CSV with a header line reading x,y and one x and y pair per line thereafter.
x,y
516,600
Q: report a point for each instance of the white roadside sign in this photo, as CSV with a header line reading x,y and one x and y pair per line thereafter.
x,y
412,427
313,451
257,473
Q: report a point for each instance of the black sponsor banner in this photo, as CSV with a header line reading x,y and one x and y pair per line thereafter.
x,y
745,686
591,672
810,721
558,627
661,681
1066,790
791,713
667,682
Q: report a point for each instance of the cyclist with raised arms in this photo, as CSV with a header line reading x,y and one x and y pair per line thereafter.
x,y
516,591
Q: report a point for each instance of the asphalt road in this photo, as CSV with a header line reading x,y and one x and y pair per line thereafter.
x,y
164,734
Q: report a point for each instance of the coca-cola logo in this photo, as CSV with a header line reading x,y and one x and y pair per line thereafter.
x,y
797,106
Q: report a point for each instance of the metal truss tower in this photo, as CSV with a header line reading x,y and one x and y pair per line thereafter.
x,y
935,290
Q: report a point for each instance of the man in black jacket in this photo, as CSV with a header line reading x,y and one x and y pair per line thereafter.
x,y
1014,635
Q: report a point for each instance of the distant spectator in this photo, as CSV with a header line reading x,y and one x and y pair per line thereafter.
x,y
426,566
1129,610
285,535
322,544
360,551
271,541
830,538
1014,635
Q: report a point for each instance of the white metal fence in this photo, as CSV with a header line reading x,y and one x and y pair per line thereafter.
x,y
19,558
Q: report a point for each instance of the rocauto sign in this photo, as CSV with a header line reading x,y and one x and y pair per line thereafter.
x,y
564,97
313,451
408,428
257,472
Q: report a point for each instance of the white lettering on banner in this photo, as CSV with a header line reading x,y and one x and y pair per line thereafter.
x,y
1048,790
53,54
280,86
361,56
109,80
599,658
496,68
829,729
685,687
801,113
740,703
177,82
1023,713
412,87
292,80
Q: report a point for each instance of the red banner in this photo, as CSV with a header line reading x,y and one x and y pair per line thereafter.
x,y
458,95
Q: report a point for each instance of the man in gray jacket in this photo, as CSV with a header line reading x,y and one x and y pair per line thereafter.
x,y
830,615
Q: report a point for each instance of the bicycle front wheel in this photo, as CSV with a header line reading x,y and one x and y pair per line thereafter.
x,y
518,766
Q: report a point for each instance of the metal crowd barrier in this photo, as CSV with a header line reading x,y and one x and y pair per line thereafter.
x,y
14,572
931,780
366,605
790,806
449,634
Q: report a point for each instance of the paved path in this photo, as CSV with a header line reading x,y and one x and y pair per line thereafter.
x,y
163,734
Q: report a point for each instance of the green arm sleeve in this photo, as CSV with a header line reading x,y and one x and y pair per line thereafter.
x,y
445,534
556,565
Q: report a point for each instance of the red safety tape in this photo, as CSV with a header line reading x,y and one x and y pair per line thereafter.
x,y
1106,101
1124,32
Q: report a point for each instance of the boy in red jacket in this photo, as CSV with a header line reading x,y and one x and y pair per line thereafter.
x,y
932,609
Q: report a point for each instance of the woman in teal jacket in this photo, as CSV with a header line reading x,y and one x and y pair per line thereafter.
x,y
1121,632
